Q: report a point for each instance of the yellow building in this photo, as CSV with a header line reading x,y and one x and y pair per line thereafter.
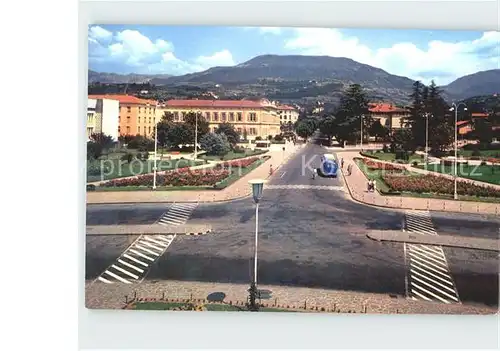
x,y
390,116
287,114
257,118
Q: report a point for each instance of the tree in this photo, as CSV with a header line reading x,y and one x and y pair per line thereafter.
x,y
94,150
141,143
245,134
190,122
228,130
353,111
125,139
305,128
328,126
416,121
215,144
179,134
379,131
163,128
106,141
441,121
483,131
402,140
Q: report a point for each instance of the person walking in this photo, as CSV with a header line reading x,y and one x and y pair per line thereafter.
x,y
342,163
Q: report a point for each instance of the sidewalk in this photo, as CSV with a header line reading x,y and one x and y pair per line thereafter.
x,y
112,296
238,190
356,184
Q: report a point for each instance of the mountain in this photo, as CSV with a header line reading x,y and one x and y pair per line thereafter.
x,y
296,77
480,83
115,78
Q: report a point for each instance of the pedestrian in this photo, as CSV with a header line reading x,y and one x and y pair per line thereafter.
x,y
270,169
349,169
342,163
314,173
369,185
374,186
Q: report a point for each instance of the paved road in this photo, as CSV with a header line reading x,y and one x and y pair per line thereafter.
x,y
308,237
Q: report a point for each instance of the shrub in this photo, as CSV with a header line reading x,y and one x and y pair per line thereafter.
x,y
402,155
239,150
374,165
90,187
278,137
215,144
415,163
128,157
476,153
483,163
385,148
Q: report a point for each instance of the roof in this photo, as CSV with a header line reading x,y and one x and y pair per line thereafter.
x,y
217,103
286,107
384,108
91,103
461,123
124,99
479,114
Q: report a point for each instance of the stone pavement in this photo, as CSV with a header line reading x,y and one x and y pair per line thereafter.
x,y
447,240
112,296
238,190
357,182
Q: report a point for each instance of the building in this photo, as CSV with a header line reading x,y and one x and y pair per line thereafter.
x,y
287,114
102,117
257,118
464,127
390,116
136,116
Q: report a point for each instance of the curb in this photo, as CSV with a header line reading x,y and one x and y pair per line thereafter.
x,y
398,208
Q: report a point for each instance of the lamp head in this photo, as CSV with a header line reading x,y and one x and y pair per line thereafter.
x,y
257,189
465,108
452,108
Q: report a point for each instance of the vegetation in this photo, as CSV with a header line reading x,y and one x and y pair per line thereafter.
x,y
215,144
483,173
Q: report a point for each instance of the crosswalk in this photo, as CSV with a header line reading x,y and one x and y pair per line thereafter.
x,y
429,277
304,187
133,264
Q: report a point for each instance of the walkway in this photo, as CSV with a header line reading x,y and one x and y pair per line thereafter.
x,y
356,183
238,190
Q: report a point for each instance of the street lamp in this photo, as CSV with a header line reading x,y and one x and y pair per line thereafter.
x,y
426,138
361,118
156,146
455,107
257,188
196,135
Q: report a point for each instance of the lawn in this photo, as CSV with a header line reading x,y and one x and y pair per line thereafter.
x,y
237,173
114,168
234,155
482,153
220,307
486,173
390,156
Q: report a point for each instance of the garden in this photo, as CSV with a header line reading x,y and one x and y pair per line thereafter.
x,y
396,180
217,177
234,154
482,172
386,155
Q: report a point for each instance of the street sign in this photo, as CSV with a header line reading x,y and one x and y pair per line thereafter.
x,y
264,294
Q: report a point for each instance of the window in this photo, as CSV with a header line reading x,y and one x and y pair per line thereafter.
x,y
239,116
224,116
149,130
252,117
119,119
239,130
176,116
253,131
216,116
231,116
139,119
139,109
184,113
149,119
207,116
118,129
128,108
128,130
139,130
128,119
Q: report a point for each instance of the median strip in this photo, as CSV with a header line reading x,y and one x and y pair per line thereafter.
x,y
436,240
149,229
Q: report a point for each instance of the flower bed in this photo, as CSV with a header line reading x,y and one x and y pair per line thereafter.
x,y
179,177
374,165
238,163
438,185
493,160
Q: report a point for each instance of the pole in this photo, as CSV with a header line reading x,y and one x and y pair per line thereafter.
x,y
426,138
156,147
361,119
256,243
196,137
455,195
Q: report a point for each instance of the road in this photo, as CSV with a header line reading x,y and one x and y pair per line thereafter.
x,y
308,236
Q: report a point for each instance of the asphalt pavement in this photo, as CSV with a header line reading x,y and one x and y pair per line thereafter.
x,y
310,234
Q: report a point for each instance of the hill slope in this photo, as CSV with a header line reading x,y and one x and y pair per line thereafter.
x,y
480,83
115,78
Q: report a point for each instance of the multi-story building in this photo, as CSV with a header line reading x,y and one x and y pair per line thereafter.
x,y
136,116
102,117
287,114
257,118
390,116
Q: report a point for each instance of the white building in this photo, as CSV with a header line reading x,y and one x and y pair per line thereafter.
x,y
287,114
103,117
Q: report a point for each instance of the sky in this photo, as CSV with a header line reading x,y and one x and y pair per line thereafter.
x,y
424,55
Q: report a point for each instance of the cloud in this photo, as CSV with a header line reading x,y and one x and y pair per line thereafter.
x,y
131,51
449,60
266,30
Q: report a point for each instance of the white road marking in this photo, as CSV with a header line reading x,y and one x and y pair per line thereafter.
x,y
142,255
429,275
131,266
146,249
135,260
105,280
282,174
125,271
117,277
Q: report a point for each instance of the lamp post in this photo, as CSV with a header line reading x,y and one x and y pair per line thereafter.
x,y
455,107
257,188
361,123
156,147
426,138
196,136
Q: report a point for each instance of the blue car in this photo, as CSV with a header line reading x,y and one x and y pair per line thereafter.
x,y
329,166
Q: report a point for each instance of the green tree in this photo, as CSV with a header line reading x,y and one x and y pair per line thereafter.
x,y
163,128
94,150
441,121
328,126
228,130
305,129
379,131
190,122
215,144
402,140
353,111
483,131
179,134
416,121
